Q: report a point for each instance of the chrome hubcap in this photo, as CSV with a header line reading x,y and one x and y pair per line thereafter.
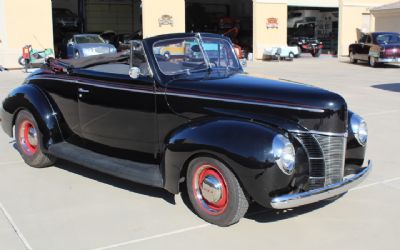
x,y
32,136
210,190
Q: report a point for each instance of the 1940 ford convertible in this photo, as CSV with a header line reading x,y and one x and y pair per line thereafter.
x,y
190,120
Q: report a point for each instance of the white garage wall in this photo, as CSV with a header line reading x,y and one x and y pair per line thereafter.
x,y
387,22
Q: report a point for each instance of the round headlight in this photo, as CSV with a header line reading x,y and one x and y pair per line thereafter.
x,y
284,154
359,128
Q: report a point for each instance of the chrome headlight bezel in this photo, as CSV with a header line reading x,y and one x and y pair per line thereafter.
x,y
359,129
284,154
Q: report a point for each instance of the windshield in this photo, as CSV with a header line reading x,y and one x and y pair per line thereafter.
x,y
180,55
89,39
388,38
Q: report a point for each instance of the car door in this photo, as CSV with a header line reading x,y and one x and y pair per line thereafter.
x,y
118,115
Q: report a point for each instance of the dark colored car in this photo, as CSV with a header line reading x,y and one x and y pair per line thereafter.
x,y
308,45
376,48
83,45
65,19
192,121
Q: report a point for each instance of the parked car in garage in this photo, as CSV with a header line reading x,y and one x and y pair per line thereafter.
x,y
193,121
307,45
65,19
376,48
281,52
82,45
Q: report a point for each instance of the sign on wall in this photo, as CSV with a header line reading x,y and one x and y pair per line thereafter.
x,y
166,20
272,23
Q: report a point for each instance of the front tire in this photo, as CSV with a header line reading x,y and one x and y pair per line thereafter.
x,y
214,192
29,141
77,55
372,62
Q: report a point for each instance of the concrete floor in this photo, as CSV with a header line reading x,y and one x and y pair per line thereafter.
x,y
70,207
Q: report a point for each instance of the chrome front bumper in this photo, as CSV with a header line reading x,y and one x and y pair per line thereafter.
x,y
299,199
389,60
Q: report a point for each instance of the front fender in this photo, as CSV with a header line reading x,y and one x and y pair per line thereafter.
x,y
242,145
31,98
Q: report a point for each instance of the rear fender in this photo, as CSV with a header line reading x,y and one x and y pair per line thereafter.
x,y
31,98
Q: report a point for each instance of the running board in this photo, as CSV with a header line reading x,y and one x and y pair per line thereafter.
x,y
147,174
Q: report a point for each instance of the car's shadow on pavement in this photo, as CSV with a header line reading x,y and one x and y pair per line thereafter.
x,y
395,87
115,181
379,66
111,180
266,215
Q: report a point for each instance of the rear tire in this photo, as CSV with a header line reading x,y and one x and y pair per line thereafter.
x,y
291,56
352,59
214,192
29,141
21,61
316,54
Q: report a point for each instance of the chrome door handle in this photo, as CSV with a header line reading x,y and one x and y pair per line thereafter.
x,y
81,90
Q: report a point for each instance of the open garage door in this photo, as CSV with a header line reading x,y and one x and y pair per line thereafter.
x,y
116,15
320,23
233,18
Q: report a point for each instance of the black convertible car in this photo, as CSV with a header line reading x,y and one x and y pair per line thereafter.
x,y
192,120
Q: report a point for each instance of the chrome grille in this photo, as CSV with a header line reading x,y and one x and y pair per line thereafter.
x,y
326,155
102,50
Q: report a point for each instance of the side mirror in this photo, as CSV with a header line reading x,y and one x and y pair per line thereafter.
x,y
134,72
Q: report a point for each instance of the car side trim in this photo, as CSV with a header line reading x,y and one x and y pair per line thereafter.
x,y
197,96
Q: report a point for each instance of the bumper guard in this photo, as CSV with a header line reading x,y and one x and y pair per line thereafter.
x,y
299,199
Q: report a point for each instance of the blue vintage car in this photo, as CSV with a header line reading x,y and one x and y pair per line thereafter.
x,y
82,45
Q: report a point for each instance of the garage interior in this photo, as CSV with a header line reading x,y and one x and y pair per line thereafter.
x,y
102,17
314,22
233,18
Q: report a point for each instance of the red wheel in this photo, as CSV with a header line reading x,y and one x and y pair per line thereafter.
x,y
210,189
28,140
214,192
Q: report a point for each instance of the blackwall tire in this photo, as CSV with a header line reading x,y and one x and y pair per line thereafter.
x,y
352,59
214,192
21,61
372,62
29,141
77,55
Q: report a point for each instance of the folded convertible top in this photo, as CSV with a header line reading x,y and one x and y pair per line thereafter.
x,y
89,61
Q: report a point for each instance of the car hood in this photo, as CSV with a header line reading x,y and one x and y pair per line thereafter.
x,y
305,105
94,45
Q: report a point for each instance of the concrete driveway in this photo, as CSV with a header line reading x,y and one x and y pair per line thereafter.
x,y
70,207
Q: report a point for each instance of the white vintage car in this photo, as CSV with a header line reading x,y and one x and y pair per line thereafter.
x,y
281,52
